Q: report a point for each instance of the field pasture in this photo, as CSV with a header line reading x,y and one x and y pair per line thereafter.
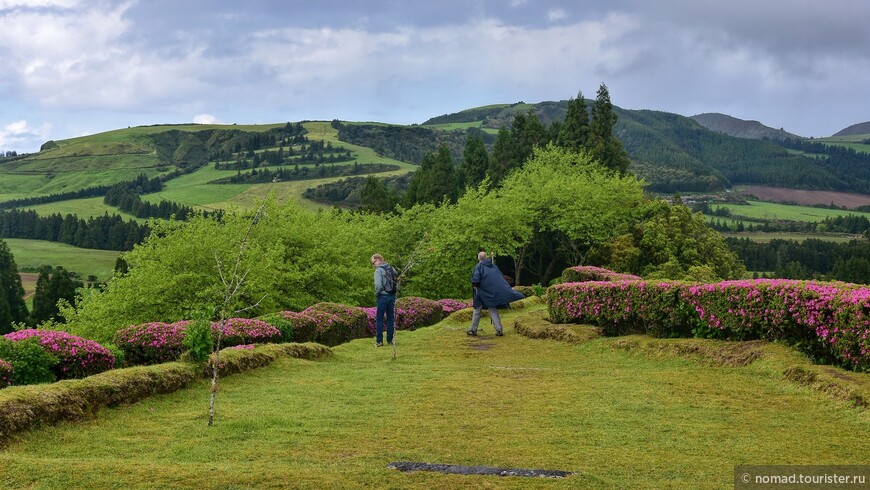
x,y
804,197
774,211
32,254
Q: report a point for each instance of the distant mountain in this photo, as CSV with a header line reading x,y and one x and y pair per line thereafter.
x,y
674,153
740,128
859,129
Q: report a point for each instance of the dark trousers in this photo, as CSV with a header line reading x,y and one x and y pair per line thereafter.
x,y
386,308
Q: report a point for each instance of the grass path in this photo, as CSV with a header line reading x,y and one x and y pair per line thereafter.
x,y
618,419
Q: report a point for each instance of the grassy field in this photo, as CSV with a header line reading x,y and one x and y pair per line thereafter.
x,y
31,254
618,419
855,142
773,211
90,207
762,237
194,190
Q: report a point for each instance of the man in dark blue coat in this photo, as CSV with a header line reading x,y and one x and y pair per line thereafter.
x,y
491,291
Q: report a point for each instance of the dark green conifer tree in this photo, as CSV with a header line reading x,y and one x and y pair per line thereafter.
x,y
375,196
12,306
602,143
475,161
574,132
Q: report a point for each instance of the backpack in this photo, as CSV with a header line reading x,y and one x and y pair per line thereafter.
x,y
391,280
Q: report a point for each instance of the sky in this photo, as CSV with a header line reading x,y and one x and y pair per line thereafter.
x,y
74,67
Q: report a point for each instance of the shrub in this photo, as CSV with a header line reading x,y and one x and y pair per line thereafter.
x,y
371,317
198,339
346,322
6,372
294,327
583,273
526,290
238,331
413,312
78,357
829,321
31,364
151,343
118,354
448,306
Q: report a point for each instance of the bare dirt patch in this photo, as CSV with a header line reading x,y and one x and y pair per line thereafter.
x,y
28,280
804,197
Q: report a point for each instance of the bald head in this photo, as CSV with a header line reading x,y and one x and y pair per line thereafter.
x,y
481,256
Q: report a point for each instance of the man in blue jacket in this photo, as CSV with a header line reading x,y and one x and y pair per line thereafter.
x,y
491,291
385,292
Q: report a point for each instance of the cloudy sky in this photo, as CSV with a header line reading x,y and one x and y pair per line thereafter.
x,y
75,67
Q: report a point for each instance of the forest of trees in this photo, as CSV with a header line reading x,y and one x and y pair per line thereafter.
x,y
103,232
809,259
305,173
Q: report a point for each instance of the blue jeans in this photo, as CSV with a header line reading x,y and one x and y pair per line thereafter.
x,y
386,308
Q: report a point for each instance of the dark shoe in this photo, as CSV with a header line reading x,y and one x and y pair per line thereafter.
x,y
469,332
379,344
499,334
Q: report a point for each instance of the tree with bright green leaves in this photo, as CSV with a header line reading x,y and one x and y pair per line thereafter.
x,y
573,201
455,233
670,242
475,161
602,144
435,180
294,258
13,309
574,131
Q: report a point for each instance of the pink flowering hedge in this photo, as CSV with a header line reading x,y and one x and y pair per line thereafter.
x,y
582,273
413,312
240,331
449,306
5,374
829,321
151,343
337,323
78,357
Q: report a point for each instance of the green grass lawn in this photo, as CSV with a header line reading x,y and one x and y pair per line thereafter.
x,y
31,254
767,210
618,419
89,207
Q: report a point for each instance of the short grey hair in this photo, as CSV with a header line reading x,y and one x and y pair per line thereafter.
x,y
481,255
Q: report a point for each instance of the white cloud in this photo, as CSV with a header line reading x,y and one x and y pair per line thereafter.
x,y
11,4
18,134
206,119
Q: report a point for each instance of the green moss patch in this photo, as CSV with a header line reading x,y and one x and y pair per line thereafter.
x,y
537,325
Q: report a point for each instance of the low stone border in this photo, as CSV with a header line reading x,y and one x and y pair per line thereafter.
x,y
31,406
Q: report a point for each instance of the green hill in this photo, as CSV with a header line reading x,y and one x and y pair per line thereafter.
x,y
672,152
860,129
740,128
